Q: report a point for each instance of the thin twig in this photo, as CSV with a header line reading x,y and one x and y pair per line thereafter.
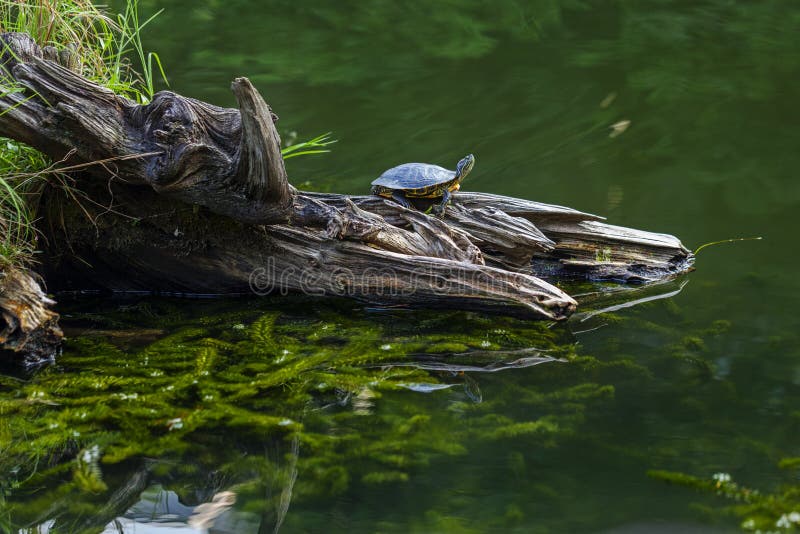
x,y
52,170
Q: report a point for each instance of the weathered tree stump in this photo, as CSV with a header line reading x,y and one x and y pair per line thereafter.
x,y
193,197
27,324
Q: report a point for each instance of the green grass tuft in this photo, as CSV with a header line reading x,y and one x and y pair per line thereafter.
x,y
312,146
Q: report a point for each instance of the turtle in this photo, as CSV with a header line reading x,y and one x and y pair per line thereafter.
x,y
422,180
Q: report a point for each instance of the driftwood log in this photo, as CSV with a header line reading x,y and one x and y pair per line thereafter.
x,y
185,196
27,324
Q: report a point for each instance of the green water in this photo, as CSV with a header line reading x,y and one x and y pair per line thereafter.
x,y
329,417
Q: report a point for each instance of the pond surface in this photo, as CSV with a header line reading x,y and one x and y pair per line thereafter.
x,y
297,415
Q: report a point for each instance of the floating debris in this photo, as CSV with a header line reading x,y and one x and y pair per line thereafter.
x,y
618,128
425,387
608,100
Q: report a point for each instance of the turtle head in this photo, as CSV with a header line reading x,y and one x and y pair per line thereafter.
x,y
464,166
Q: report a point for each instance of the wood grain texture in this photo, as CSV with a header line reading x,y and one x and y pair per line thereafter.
x,y
28,325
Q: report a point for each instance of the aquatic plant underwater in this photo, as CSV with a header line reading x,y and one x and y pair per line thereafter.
x,y
271,381
295,405
775,511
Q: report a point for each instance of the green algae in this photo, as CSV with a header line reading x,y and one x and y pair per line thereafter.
x,y
775,511
279,402
270,378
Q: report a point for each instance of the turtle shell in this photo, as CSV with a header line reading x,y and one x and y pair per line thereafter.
x,y
415,176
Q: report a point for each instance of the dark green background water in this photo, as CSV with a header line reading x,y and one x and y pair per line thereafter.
x,y
238,396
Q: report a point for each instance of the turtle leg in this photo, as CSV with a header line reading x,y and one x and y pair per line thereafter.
x,y
438,209
400,198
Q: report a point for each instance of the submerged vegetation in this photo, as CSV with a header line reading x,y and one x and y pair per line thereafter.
x,y
311,406
279,382
777,511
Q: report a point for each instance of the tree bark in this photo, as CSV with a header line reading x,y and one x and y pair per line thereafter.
x,y
27,324
202,203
